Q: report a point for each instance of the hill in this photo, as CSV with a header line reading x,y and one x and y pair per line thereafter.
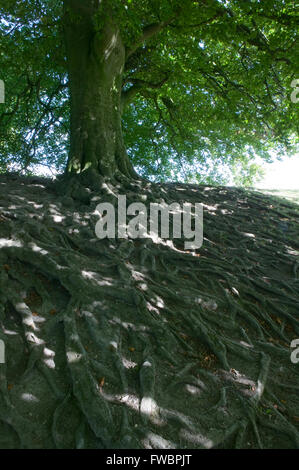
x,y
289,194
122,343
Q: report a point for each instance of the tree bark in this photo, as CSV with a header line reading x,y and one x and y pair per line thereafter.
x,y
96,58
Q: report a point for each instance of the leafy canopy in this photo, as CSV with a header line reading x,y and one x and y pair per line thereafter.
x,y
207,85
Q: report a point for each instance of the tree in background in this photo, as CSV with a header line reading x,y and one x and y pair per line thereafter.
x,y
189,88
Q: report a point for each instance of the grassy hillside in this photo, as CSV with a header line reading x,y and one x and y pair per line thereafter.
x,y
290,194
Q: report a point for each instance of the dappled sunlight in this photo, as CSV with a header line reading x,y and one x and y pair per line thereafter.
x,y
38,249
28,318
7,243
29,397
9,332
50,363
249,235
153,334
95,277
113,345
33,339
193,389
154,441
73,356
246,345
128,364
49,356
58,218
149,408
196,439
129,326
35,205
130,400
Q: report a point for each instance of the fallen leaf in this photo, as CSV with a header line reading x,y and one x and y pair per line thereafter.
x,y
102,381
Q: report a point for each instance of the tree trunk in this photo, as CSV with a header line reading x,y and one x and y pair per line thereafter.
x,y
96,57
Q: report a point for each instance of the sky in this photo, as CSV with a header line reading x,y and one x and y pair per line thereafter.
x,y
281,174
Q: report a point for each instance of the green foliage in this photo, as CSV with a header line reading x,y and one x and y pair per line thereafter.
x,y
34,118
212,86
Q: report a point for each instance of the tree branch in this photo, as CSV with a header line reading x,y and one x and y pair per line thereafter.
x,y
148,32
139,85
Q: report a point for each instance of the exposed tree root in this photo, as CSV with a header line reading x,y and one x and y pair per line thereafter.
x,y
141,344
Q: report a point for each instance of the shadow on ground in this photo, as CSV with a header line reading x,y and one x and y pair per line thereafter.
x,y
142,344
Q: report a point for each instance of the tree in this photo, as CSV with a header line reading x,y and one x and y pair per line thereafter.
x,y
195,85
142,343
